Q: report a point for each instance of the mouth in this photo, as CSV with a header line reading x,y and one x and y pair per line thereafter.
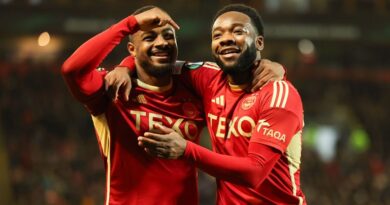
x,y
229,52
161,55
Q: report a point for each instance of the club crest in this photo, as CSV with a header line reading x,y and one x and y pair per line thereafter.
x,y
248,102
189,109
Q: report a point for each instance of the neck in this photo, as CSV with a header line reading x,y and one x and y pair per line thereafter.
x,y
240,78
243,77
159,81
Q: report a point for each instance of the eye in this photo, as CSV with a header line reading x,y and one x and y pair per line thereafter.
x,y
148,38
239,31
169,36
216,35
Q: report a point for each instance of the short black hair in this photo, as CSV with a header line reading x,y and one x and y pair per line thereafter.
x,y
142,9
247,10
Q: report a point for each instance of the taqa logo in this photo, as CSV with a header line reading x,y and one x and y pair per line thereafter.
x,y
248,102
262,127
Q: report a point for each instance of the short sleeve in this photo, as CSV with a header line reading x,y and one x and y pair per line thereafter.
x,y
280,116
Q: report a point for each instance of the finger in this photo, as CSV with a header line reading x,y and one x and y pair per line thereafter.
x,y
258,77
162,22
127,91
263,81
259,68
140,143
158,152
174,24
150,142
155,136
106,84
163,128
151,152
156,20
162,152
112,88
116,90
107,81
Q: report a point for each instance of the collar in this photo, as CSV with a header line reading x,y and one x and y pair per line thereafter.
x,y
238,88
154,88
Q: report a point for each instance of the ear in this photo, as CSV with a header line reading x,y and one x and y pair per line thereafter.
x,y
259,43
131,48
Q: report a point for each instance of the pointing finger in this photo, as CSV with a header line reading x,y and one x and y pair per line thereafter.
x,y
174,24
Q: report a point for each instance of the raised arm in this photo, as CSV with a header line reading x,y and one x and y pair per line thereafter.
x,y
79,70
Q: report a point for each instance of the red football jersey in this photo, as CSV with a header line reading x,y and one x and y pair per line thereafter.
x,y
272,116
132,176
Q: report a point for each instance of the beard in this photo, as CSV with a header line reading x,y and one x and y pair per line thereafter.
x,y
158,71
242,64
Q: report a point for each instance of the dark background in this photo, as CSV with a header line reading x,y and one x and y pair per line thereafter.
x,y
336,53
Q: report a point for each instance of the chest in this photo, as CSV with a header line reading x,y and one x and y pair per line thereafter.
x,y
178,110
232,116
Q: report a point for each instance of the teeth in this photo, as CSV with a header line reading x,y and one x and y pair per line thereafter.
x,y
161,54
229,51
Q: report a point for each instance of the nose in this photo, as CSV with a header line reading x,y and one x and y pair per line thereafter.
x,y
161,42
227,39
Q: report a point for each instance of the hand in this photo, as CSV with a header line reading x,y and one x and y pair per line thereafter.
x,y
266,71
118,80
154,17
164,142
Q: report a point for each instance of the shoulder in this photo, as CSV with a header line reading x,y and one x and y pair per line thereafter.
x,y
181,66
280,94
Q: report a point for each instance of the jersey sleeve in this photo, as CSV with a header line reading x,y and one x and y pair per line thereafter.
x,y
198,76
248,171
280,116
128,62
80,71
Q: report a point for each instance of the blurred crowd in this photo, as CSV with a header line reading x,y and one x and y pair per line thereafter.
x,y
53,155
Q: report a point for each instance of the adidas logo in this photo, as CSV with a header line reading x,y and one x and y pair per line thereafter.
x,y
219,100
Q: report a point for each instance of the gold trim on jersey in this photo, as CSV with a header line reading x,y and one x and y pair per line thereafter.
x,y
103,132
154,88
104,137
238,87
293,154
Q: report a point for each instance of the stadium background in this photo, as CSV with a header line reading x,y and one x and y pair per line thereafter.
x,y
336,53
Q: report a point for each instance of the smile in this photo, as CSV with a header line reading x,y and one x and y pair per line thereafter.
x,y
230,53
161,54
230,50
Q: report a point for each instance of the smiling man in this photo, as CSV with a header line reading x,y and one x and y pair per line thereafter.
x,y
256,136
132,176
